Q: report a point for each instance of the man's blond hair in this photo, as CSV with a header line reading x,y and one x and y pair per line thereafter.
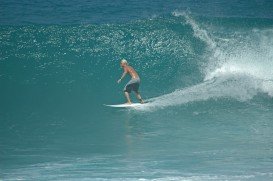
x,y
124,61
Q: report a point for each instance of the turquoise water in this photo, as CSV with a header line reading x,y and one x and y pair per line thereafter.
x,y
206,74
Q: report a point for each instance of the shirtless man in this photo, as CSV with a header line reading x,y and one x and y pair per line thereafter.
x,y
133,84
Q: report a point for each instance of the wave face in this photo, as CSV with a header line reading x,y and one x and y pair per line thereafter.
x,y
208,83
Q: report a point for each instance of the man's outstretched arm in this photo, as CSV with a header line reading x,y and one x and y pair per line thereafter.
x,y
123,75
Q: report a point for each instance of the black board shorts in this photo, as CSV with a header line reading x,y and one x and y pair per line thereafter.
x,y
132,85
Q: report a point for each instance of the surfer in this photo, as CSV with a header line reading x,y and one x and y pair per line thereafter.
x,y
133,84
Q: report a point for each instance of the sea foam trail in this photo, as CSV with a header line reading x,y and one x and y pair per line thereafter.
x,y
242,88
236,68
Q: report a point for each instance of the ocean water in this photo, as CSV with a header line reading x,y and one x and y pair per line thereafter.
x,y
206,71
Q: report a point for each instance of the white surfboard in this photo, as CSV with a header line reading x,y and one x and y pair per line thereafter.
x,y
125,105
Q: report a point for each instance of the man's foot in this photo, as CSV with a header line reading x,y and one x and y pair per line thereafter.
x,y
141,101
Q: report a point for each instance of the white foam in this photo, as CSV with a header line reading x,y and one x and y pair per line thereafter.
x,y
241,89
267,87
239,67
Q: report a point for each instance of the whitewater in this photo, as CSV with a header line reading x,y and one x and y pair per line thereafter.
x,y
237,68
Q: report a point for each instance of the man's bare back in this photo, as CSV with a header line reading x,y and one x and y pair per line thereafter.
x,y
131,71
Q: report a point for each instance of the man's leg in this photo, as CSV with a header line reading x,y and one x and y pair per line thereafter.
x,y
139,97
127,97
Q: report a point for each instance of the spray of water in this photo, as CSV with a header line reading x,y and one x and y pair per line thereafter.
x,y
238,68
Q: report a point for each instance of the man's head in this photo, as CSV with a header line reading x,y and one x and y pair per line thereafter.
x,y
123,63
